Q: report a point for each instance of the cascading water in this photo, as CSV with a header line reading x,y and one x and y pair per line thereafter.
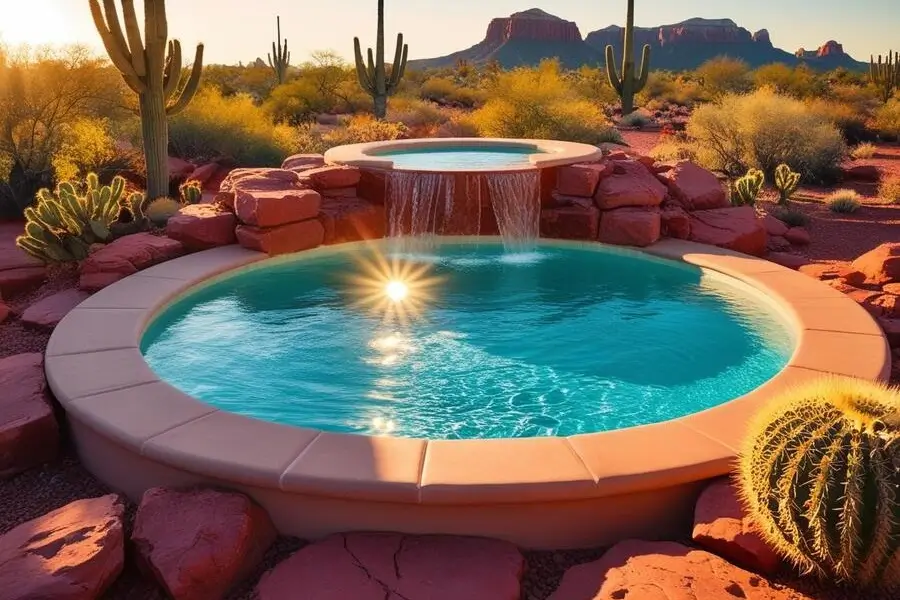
x,y
451,203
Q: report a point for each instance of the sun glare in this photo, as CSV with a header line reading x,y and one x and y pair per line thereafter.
x,y
396,290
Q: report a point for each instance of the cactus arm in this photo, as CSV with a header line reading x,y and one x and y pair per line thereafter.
x,y
190,88
645,69
115,29
173,69
117,54
611,73
361,72
138,60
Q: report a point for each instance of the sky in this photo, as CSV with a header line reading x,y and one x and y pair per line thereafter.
x,y
242,30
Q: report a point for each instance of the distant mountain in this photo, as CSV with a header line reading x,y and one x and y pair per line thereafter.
x,y
527,37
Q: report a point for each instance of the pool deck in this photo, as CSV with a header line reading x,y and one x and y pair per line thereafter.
x,y
134,431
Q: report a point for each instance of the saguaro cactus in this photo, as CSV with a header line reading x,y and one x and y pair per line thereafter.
x,y
627,85
885,75
372,76
152,73
280,58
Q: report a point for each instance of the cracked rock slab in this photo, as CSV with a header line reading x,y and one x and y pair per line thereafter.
x,y
636,570
391,566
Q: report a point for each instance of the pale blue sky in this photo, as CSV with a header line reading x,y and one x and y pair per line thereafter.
x,y
241,30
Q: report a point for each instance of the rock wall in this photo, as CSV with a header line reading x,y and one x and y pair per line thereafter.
x,y
532,24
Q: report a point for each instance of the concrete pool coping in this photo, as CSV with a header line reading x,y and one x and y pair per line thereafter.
x,y
135,431
548,154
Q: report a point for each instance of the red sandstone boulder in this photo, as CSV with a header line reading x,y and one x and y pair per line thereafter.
x,y
694,187
881,265
326,178
202,226
260,179
351,219
631,184
276,207
824,272
179,169
303,162
866,173
204,173
798,236
73,553
774,226
735,228
664,571
4,312
50,310
199,543
390,566
889,305
791,261
28,432
20,281
581,179
630,226
573,222
890,288
125,256
284,239
777,243
722,526
675,222
345,192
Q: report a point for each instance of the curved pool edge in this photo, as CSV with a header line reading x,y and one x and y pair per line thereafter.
x,y
134,431
553,153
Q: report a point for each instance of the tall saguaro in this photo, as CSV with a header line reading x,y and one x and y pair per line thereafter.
x,y
280,58
373,77
885,76
627,85
152,68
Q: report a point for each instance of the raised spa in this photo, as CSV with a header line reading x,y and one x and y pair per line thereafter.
x,y
462,339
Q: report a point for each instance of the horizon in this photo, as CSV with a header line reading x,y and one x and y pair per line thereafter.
x,y
245,33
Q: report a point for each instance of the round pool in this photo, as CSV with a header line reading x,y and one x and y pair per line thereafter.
x,y
465,339
460,158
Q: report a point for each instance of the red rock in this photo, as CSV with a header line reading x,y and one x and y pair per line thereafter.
x,y
581,179
880,266
4,312
774,226
865,298
351,219
630,226
345,192
675,222
830,48
50,310
11,256
373,185
277,207
791,261
179,169
722,526
619,155
391,566
202,226
28,432
204,173
798,236
326,178
891,329
20,281
661,168
570,222
284,239
735,228
820,271
260,179
72,553
889,305
890,288
199,543
533,24
303,162
776,243
664,571
224,200
125,256
866,173
702,32
694,187
631,184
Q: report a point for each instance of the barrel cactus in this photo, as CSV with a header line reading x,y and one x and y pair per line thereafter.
x,y
191,191
820,474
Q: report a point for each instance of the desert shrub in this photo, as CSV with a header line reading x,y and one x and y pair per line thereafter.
x,y
790,216
539,103
722,75
592,83
358,129
843,201
88,146
416,114
762,130
863,151
457,126
666,88
444,90
849,120
800,81
887,119
672,150
889,189
214,126
862,98
635,119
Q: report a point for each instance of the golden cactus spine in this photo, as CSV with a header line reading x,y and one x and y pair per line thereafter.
x,y
152,73
820,474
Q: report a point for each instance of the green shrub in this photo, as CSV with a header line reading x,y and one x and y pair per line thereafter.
x,y
415,114
666,88
851,122
539,103
889,189
723,75
214,127
88,146
444,90
358,129
791,217
863,151
635,119
762,130
887,119
799,82
843,201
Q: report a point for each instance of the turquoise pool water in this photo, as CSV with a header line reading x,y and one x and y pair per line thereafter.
x,y
556,340
460,158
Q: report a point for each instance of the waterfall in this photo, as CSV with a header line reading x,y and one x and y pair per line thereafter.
x,y
451,203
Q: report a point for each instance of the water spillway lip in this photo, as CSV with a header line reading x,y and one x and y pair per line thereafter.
x,y
97,372
546,153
